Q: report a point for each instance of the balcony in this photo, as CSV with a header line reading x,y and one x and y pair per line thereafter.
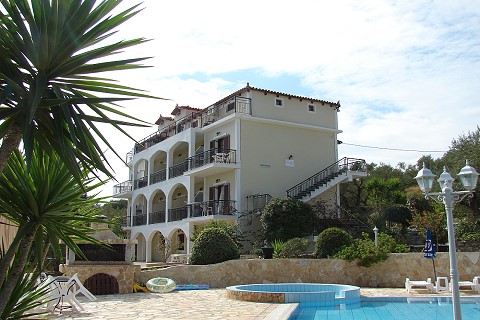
x,y
178,169
140,182
203,209
140,219
197,120
177,214
156,217
122,188
213,161
158,176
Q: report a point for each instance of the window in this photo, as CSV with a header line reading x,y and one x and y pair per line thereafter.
x,y
279,102
231,106
311,108
220,144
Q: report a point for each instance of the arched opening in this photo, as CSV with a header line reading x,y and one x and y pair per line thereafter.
x,y
159,247
102,283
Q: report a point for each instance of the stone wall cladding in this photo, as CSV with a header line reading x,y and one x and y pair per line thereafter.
x,y
389,274
268,297
468,246
124,273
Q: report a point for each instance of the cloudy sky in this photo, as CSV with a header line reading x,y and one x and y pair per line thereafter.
x,y
407,73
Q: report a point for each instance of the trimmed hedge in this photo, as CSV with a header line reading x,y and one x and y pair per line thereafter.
x,y
213,245
330,241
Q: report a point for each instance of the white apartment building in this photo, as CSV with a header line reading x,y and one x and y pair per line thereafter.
x,y
225,162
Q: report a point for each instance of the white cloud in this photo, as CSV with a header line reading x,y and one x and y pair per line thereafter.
x,y
406,73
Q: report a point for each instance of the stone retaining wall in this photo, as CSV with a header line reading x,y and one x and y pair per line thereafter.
x,y
389,274
124,273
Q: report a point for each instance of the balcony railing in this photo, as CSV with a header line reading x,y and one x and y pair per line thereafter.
x,y
197,120
212,207
158,176
256,202
214,155
191,210
177,214
157,217
178,169
140,219
123,187
140,182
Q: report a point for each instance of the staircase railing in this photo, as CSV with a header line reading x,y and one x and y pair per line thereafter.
x,y
321,178
348,215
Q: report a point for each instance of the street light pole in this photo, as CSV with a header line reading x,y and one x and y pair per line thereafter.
x,y
448,197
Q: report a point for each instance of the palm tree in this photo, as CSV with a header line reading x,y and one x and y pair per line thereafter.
x,y
50,51
47,204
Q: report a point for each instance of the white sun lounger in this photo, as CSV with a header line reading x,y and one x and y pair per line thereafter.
x,y
409,284
474,285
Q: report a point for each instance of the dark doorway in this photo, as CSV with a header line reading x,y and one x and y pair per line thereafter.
x,y
102,283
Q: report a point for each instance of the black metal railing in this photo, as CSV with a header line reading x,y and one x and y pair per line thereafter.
x,y
122,187
211,207
256,202
215,155
140,219
177,214
321,178
158,176
197,120
156,217
178,169
140,182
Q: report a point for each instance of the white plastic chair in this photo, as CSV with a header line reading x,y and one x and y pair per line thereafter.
x,y
81,289
63,290
409,284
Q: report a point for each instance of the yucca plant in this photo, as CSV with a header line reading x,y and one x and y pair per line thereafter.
x,y
28,294
48,206
50,52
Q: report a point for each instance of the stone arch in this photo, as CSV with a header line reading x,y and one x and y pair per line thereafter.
x,y
177,240
102,283
140,251
158,246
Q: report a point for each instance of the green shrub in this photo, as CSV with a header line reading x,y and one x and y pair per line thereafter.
x,y
232,229
365,251
294,248
213,245
277,246
284,219
330,241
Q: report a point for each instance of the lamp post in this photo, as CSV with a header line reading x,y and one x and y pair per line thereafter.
x,y
375,231
448,197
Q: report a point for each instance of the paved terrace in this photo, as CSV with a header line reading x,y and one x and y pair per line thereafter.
x,y
198,304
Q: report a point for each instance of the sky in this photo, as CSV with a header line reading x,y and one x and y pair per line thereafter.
x,y
407,73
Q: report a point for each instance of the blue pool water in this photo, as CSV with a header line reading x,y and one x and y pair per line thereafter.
x,y
390,308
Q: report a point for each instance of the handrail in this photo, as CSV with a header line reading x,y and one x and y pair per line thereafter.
x,y
196,120
342,165
351,216
214,155
122,187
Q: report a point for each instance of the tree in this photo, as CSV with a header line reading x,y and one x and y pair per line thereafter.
x,y
46,204
115,213
48,92
283,219
383,193
466,147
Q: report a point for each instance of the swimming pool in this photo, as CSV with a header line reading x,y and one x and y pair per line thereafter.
x,y
315,294
384,308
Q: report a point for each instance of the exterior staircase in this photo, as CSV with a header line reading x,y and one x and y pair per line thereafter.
x,y
345,169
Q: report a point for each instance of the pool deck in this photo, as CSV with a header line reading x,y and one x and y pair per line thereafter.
x,y
201,304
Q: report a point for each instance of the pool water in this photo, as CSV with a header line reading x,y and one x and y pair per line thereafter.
x,y
391,308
